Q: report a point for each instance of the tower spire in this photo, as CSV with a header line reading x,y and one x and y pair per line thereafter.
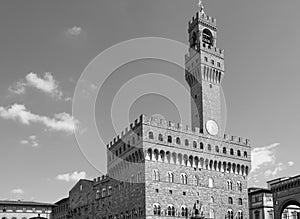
x,y
200,5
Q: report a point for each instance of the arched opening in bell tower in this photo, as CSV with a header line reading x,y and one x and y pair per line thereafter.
x,y
207,37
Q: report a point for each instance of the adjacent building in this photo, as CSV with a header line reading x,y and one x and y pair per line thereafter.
x,y
61,209
25,210
261,205
81,200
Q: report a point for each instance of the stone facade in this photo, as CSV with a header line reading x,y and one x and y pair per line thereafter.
x,y
81,200
61,209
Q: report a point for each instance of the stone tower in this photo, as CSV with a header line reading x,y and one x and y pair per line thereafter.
x,y
204,73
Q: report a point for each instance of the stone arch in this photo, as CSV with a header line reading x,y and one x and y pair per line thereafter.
x,y
206,164
180,159
185,160
247,170
156,154
191,161
243,170
283,205
215,165
238,169
174,156
211,163
196,161
168,157
234,168
229,167
162,155
224,166
201,162
220,166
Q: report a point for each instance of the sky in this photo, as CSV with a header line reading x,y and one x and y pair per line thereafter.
x,y
46,45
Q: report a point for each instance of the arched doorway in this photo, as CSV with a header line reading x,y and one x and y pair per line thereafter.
x,y
290,210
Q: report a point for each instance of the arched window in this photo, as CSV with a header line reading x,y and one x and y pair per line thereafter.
x,y
238,153
245,154
156,209
183,178
109,190
196,181
155,176
239,186
103,192
151,135
209,147
210,183
171,210
224,150
231,151
230,201
229,185
186,142
240,215
201,146
184,211
207,37
169,139
160,137
194,144
217,149
171,177
240,201
178,140
229,214
212,200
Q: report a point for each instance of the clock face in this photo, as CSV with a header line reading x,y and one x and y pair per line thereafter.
x,y
212,127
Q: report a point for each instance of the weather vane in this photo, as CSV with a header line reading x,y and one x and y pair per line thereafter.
x,y
200,4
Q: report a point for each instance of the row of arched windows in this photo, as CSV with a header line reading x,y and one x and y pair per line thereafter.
x,y
238,185
201,145
171,211
183,178
230,215
195,161
239,201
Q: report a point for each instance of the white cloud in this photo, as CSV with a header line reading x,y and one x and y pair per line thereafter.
x,y
32,140
46,84
262,156
24,142
17,191
71,176
61,122
18,88
74,31
291,163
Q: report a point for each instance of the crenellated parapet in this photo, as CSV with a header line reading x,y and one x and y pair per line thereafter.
x,y
204,20
128,130
158,122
